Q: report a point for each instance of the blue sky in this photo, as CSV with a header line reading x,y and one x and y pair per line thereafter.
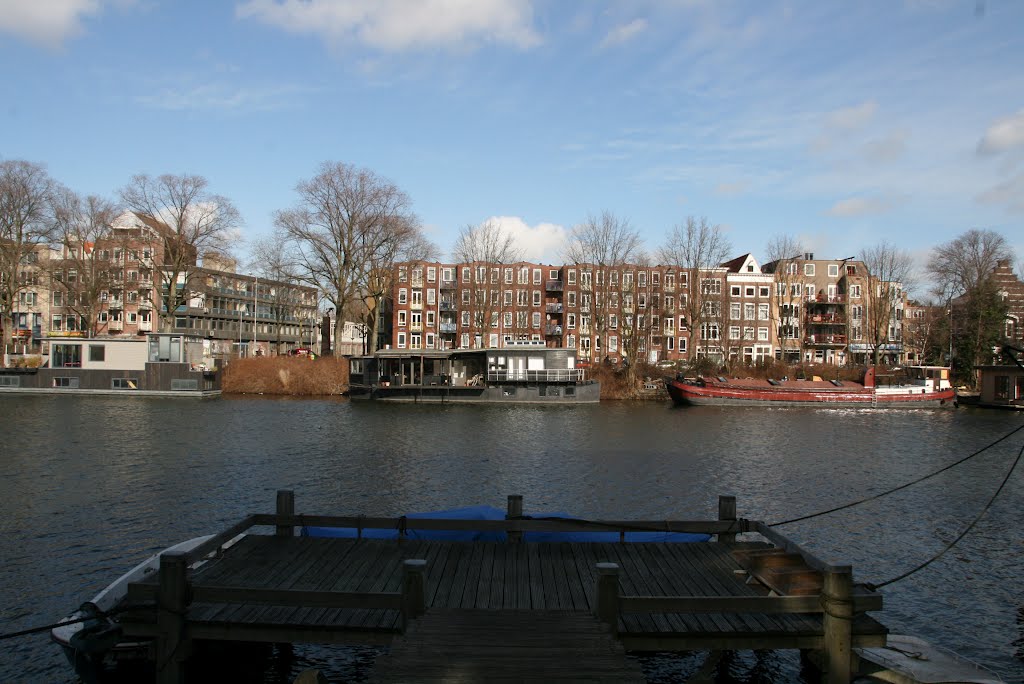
x,y
840,123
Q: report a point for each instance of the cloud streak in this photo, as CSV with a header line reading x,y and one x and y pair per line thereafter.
x,y
624,33
399,26
1004,134
852,207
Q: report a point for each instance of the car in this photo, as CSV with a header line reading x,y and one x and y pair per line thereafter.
x,y
301,351
666,363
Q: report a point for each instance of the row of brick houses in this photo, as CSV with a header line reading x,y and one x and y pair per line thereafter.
x,y
802,308
115,286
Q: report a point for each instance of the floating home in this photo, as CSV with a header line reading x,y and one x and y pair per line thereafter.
x,y
159,364
520,373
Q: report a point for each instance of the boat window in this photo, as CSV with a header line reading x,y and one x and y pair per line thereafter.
x,y
836,383
773,382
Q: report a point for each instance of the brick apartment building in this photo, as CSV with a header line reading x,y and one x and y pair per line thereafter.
x,y
798,309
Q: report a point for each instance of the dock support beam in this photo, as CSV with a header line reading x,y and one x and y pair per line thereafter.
x,y
285,506
515,511
837,623
172,643
414,593
606,602
727,513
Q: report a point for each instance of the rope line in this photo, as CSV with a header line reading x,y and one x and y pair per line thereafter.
x,y
963,534
64,623
900,487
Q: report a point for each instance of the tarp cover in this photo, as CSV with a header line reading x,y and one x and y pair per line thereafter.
x,y
491,513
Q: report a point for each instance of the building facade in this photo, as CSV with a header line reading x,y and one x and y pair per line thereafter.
x,y
800,309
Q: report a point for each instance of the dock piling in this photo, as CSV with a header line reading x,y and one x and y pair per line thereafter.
x,y
607,602
727,512
285,506
515,511
172,643
837,624
413,590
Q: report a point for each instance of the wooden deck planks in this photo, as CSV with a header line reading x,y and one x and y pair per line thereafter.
x,y
485,576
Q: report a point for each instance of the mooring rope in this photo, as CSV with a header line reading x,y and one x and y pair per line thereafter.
x,y
65,623
963,534
900,487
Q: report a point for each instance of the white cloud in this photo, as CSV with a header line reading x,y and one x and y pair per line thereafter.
x,y
852,118
47,23
1003,134
218,97
887,148
730,189
541,243
398,25
624,33
860,206
1009,193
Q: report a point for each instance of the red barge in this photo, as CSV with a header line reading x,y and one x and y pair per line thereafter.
x,y
924,386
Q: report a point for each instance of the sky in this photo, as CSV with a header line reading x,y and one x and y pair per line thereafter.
x,y
841,124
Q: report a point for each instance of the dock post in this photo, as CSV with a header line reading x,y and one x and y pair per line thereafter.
x,y
607,601
413,591
285,506
172,643
515,511
837,623
727,512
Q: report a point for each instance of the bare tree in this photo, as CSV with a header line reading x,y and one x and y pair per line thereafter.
x,y
83,271
604,244
273,259
25,226
783,253
698,248
193,221
483,247
891,272
962,271
348,224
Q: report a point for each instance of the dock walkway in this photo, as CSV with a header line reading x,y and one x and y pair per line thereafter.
x,y
505,646
648,596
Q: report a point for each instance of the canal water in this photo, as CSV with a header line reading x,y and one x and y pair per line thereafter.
x,y
90,486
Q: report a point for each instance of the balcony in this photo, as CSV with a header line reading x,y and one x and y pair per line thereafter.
x,y
552,330
448,328
825,299
554,286
447,284
416,327
825,340
553,308
115,303
115,326
831,318
447,306
145,326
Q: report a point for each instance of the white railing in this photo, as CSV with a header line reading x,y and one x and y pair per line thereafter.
x,y
551,375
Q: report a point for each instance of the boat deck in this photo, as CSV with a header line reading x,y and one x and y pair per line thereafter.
x,y
647,596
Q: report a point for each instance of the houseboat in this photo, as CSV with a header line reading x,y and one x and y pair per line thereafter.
x,y
524,372
159,364
920,386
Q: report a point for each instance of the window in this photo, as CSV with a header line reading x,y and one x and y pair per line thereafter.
x,y
735,290
431,297
124,383
711,285
833,270
507,318
431,274
403,296
10,381
682,345
430,341
855,291
431,319
97,352
762,334
536,297
184,385
402,317
762,312
748,291
709,331
401,340
417,297
571,300
734,332
466,273
764,291
536,276
748,311
613,321
808,269
570,321
748,333
735,311
66,383
536,319
465,319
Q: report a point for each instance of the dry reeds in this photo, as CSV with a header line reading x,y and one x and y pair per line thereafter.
x,y
284,375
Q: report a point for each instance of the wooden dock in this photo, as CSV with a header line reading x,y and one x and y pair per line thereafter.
x,y
479,605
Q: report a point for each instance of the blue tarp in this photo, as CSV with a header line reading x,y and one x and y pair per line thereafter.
x,y
491,513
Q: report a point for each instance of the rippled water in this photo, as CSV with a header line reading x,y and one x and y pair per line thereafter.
x,y
90,486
